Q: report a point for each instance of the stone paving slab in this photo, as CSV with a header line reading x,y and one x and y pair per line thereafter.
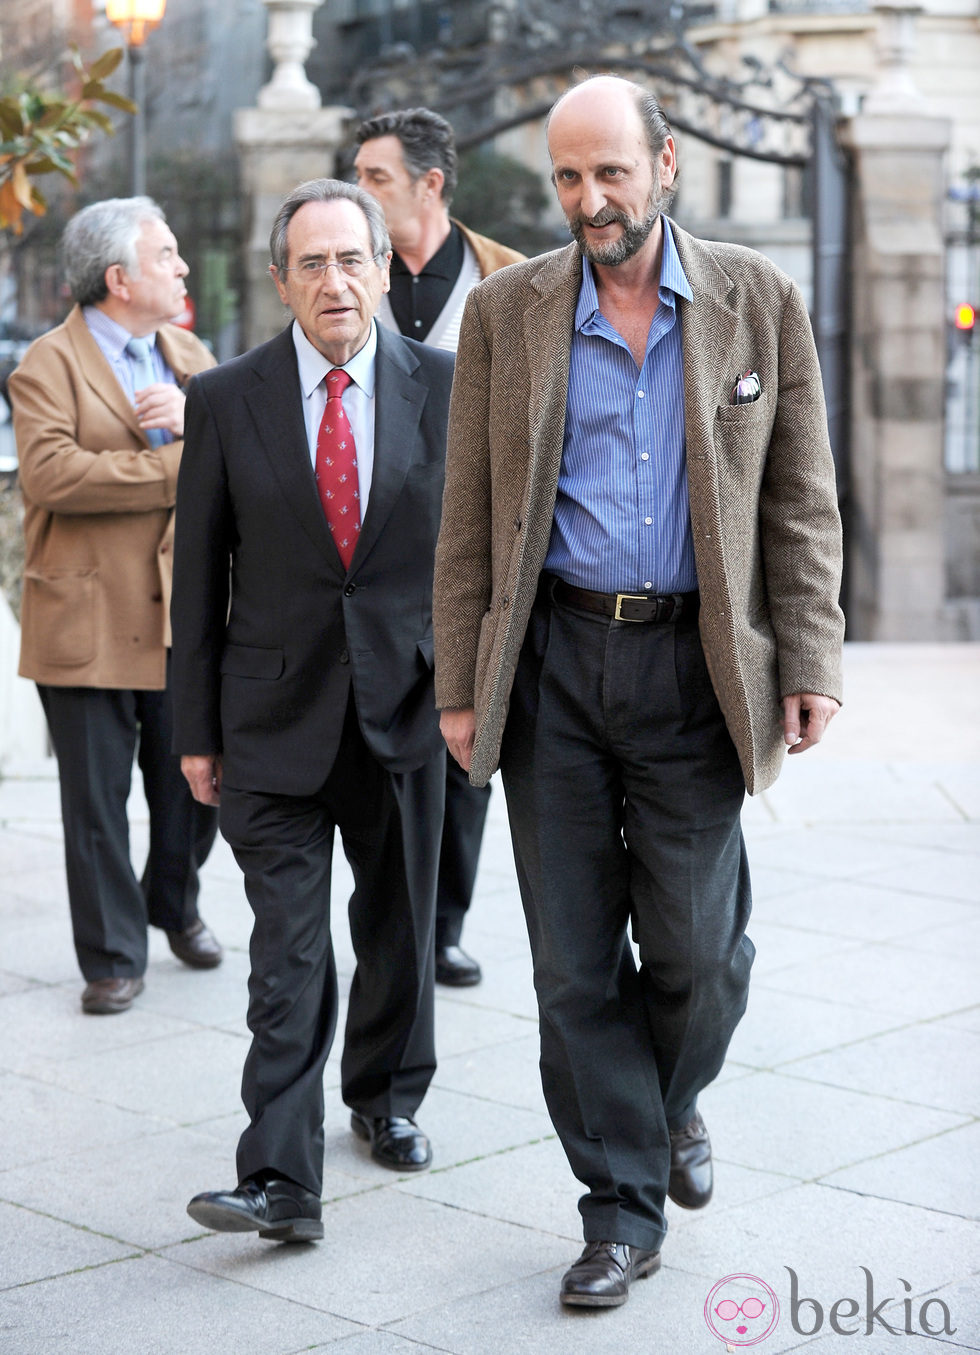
x,y
155,1306
845,1122
412,1255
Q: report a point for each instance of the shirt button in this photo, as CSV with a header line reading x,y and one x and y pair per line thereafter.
x,y
648,521
640,394
418,324
644,456
648,584
415,282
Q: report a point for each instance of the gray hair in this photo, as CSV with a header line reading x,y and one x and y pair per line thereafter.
x,y
327,190
427,142
99,236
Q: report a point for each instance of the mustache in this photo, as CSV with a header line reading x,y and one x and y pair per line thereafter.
x,y
604,218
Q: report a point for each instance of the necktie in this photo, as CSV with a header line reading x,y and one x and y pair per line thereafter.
x,y
144,374
336,469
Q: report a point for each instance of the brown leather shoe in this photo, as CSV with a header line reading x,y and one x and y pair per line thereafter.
x,y
105,997
197,946
601,1276
691,1175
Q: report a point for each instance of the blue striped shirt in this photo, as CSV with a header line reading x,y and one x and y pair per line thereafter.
x,y
622,517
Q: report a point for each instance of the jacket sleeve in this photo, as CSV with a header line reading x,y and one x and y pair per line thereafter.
x,y
201,586
799,520
61,475
462,585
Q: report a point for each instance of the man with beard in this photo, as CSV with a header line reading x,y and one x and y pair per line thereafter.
x,y
635,613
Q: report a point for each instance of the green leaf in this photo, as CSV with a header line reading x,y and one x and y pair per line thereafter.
x,y
106,63
117,101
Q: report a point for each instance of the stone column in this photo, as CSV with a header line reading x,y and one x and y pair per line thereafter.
x,y
897,561
286,140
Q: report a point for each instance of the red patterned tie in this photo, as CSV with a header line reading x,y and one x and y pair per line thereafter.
x,y
336,469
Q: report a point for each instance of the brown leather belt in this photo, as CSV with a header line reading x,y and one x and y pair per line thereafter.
x,y
655,608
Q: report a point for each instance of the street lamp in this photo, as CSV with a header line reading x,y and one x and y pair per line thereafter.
x,y
135,19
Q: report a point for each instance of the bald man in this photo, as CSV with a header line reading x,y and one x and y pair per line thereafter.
x,y
635,614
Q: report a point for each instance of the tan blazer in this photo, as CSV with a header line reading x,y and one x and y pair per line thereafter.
x,y
98,514
767,535
490,255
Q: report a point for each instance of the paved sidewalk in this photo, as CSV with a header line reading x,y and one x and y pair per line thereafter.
x,y
845,1122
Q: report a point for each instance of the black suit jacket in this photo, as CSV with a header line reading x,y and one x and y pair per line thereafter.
x,y
264,653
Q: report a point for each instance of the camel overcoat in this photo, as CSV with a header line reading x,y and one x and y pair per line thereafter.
x,y
98,514
764,516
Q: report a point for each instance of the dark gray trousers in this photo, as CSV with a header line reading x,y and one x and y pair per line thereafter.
x,y
95,732
389,825
459,856
624,794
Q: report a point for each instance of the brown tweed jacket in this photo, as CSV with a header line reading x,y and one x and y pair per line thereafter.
x,y
98,514
767,534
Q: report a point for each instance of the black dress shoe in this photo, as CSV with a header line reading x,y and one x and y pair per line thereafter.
x,y
601,1276
396,1141
197,946
275,1208
455,968
691,1175
105,997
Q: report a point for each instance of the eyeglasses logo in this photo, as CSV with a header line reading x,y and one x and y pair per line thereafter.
x,y
741,1310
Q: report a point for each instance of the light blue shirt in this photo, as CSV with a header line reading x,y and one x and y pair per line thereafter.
x,y
357,399
112,340
622,516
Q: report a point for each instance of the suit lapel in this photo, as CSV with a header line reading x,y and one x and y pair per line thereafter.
x,y
275,405
709,327
99,375
400,395
548,327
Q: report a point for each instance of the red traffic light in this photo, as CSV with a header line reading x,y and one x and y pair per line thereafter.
x,y
965,316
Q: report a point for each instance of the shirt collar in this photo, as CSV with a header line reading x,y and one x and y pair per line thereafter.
x,y
114,337
313,366
445,263
673,281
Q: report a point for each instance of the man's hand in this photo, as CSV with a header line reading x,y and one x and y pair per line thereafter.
x,y
805,718
203,775
161,406
459,730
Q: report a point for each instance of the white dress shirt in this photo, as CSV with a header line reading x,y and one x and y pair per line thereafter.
x,y
358,401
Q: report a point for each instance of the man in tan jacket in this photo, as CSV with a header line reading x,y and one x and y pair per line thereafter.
x,y
636,611
99,416
407,160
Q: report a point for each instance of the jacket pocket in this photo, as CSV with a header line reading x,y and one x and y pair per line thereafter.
x,y
59,616
251,661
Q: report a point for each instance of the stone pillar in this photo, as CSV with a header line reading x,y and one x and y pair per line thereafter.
x,y
897,560
286,140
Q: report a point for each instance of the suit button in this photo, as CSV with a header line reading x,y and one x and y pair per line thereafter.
x,y
505,602
350,590
344,656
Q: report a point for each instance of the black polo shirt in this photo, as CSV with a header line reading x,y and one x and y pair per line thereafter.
x,y
418,299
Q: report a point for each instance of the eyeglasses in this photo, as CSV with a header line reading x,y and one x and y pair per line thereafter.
x,y
728,1309
314,270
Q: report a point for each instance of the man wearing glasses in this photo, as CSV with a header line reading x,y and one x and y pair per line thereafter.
x,y
304,695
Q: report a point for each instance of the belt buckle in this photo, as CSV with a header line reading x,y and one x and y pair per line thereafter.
x,y
628,597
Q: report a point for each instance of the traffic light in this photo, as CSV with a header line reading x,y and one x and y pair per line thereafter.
x,y
965,318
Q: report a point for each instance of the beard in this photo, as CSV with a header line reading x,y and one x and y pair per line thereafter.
x,y
636,231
